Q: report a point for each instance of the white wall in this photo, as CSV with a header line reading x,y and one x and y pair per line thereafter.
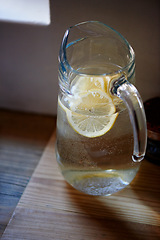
x,y
22,11
28,54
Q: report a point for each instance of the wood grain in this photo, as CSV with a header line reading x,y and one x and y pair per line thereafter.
x,y
52,209
23,137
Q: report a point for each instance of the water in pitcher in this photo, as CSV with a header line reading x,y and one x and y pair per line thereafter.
x,y
94,137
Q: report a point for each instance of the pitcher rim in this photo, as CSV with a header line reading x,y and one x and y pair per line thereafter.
x,y
64,45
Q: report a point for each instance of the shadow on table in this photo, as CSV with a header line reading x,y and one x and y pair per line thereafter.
x,y
146,185
124,215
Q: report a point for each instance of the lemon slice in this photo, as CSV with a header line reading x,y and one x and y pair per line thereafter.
x,y
82,84
92,114
91,126
85,83
91,108
94,102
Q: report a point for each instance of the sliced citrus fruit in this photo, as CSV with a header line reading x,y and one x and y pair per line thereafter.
x,y
91,126
85,83
91,110
94,102
82,84
91,114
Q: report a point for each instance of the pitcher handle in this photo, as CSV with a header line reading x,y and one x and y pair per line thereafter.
x,y
132,99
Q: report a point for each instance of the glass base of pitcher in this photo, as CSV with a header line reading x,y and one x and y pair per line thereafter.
x,y
99,183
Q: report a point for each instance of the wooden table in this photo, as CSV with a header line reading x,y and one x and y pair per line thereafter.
x,y
23,138
51,209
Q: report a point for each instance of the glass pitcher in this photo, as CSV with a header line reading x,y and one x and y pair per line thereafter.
x,y
101,124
